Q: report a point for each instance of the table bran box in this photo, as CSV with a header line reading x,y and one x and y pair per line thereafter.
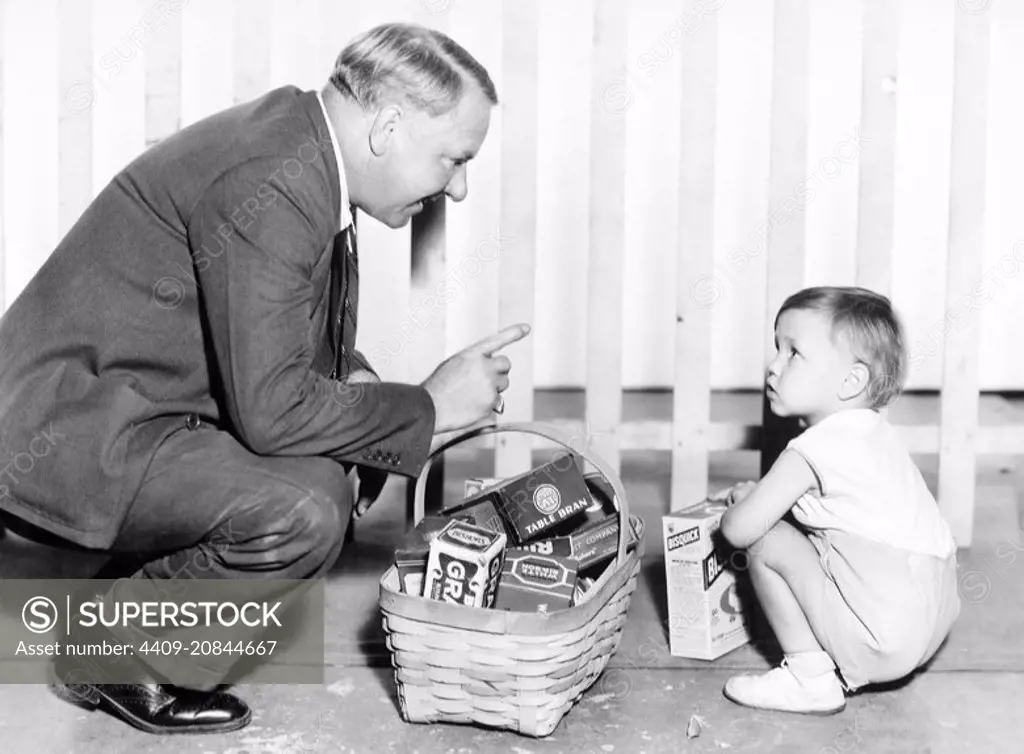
x,y
411,555
531,582
464,565
535,503
705,607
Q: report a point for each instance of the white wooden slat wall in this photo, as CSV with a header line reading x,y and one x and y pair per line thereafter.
x,y
959,399
691,415
3,286
66,53
606,239
659,176
516,261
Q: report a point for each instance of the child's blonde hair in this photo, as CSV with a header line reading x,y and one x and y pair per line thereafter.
x,y
869,327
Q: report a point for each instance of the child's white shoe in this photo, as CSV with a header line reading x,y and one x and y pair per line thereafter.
x,y
811,688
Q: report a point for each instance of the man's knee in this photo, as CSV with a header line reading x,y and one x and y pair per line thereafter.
x,y
300,528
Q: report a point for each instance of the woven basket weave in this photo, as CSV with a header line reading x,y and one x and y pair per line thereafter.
x,y
512,670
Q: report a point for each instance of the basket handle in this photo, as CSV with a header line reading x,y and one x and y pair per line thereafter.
x,y
550,433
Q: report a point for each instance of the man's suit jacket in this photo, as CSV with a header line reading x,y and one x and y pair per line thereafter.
x,y
195,283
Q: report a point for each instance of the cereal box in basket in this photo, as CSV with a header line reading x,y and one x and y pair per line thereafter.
x,y
602,495
598,542
706,619
481,510
464,565
475,485
537,503
411,555
531,582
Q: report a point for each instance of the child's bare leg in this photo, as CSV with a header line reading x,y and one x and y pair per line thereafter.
x,y
790,584
786,574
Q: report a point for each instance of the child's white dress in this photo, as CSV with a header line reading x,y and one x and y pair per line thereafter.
x,y
891,595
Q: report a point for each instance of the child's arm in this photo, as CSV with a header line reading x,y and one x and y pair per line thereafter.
x,y
789,477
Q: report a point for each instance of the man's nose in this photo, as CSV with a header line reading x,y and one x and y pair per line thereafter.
x,y
457,187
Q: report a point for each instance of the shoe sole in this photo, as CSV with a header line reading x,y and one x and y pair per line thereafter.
x,y
88,697
815,712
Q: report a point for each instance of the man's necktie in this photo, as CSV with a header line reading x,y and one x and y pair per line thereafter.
x,y
344,300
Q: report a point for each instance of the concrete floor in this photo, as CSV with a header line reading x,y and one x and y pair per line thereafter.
x,y
966,701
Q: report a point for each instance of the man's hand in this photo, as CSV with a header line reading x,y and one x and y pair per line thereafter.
x,y
371,482
466,387
360,375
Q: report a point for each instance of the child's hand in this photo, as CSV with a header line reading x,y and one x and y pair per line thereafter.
x,y
740,492
735,494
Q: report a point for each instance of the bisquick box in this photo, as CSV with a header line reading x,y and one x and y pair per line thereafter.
x,y
464,565
705,606
411,555
481,510
531,582
547,500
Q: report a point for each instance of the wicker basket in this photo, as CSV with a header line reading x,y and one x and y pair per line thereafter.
x,y
511,670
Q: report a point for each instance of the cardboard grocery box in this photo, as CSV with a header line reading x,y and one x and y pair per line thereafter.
x,y
531,582
536,504
558,546
583,584
411,555
603,495
481,510
598,542
705,605
475,485
464,565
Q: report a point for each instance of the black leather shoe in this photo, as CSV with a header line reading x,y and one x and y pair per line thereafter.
x,y
156,708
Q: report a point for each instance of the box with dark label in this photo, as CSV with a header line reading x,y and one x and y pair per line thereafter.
x,y
535,583
411,555
481,510
535,503
464,565
603,504
598,542
558,546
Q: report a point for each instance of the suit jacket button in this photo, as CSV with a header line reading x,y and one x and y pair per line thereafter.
x,y
192,421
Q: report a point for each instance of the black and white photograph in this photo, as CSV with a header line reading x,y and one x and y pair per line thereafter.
x,y
508,376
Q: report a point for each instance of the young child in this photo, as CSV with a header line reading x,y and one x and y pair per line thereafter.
x,y
867,582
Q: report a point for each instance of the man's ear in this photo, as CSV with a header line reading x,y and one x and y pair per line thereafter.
x,y
383,128
856,382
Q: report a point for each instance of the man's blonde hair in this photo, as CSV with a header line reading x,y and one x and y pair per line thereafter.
x,y
410,63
